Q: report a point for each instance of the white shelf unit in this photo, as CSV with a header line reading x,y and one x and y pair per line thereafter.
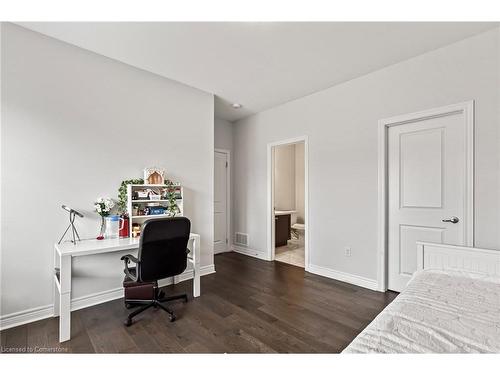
x,y
142,203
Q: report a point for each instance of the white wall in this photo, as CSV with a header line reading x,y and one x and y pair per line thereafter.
x,y
284,177
223,134
289,179
341,123
299,183
74,125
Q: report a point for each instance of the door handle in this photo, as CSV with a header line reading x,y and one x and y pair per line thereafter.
x,y
452,219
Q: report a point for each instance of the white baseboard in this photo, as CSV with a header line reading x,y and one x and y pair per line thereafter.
x,y
188,275
96,298
26,316
44,312
228,250
343,276
250,252
318,270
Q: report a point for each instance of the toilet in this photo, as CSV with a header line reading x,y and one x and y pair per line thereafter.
x,y
299,229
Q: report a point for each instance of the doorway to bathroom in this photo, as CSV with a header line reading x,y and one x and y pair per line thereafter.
x,y
287,202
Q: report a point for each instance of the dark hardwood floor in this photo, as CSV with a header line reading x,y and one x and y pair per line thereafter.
x,y
248,306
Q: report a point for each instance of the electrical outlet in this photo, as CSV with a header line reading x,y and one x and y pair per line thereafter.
x,y
347,251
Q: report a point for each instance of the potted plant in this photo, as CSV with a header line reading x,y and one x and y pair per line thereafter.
x,y
173,208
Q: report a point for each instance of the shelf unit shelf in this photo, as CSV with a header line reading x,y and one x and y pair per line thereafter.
x,y
148,200
142,203
149,216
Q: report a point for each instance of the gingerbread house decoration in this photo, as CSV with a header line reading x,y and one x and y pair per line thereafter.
x,y
154,176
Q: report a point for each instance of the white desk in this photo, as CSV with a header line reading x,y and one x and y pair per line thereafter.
x,y
64,252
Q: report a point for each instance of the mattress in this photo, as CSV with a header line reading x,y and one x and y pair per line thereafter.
x,y
438,312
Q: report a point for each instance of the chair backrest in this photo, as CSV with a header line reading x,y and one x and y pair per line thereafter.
x,y
163,248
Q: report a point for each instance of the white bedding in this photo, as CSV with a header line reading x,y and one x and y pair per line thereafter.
x,y
438,312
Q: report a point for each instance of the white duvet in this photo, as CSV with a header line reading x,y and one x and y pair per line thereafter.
x,y
438,312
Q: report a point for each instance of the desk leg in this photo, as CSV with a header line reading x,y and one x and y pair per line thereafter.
x,y
56,290
196,267
65,299
56,301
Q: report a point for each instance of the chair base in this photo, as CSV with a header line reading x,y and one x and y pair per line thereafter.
x,y
156,303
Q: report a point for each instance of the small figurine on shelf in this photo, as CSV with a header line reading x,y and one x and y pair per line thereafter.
x,y
136,230
164,193
103,207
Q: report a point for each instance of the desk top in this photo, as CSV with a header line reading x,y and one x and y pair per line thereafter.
x,y
89,247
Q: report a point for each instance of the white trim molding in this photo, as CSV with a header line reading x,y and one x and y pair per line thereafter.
x,y
26,316
250,252
44,312
270,197
344,277
83,302
467,108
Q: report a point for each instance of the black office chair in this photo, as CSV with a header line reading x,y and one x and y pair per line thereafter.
x,y
162,253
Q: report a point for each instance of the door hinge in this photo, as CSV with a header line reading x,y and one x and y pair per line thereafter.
x,y
227,240
226,164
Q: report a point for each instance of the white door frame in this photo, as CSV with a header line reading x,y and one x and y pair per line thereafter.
x,y
228,196
468,109
270,196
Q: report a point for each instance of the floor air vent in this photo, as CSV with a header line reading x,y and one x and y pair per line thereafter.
x,y
241,239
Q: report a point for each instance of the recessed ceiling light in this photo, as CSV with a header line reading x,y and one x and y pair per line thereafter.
x,y
236,105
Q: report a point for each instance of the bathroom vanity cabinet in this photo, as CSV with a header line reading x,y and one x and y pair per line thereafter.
x,y
282,229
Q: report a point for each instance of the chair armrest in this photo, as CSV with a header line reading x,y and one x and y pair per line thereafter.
x,y
127,258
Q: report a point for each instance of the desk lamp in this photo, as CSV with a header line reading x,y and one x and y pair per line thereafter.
x,y
72,216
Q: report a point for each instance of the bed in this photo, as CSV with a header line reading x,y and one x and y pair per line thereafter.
x,y
451,305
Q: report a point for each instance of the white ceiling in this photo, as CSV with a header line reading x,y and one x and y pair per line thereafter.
x,y
259,65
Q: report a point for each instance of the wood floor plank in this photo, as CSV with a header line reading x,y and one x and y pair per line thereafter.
x,y
265,331
247,306
14,340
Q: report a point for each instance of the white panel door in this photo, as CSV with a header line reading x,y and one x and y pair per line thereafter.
x,y
426,181
220,203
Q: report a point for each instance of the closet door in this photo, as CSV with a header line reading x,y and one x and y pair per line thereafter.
x,y
221,242
427,183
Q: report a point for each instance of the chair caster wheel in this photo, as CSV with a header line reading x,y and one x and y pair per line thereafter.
x,y
128,306
128,322
172,318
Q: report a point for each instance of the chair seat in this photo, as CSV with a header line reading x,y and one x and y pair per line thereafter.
x,y
137,290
